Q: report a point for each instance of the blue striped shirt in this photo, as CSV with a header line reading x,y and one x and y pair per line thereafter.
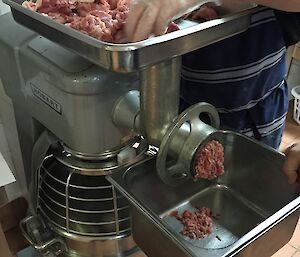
x,y
244,78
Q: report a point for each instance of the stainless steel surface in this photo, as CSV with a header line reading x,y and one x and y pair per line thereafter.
x,y
160,86
126,111
181,168
255,201
50,245
104,163
30,252
226,236
80,246
129,57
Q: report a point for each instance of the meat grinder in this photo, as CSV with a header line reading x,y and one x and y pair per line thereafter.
x,y
86,110
78,122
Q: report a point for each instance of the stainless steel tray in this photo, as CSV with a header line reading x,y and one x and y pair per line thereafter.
x,y
256,204
130,57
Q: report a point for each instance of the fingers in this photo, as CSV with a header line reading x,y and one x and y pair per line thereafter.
x,y
290,171
292,163
136,11
291,175
146,18
161,25
146,25
165,16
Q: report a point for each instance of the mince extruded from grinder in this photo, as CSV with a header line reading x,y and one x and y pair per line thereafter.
x,y
196,225
209,161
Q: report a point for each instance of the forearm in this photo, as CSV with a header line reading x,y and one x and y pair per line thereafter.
x,y
291,166
148,17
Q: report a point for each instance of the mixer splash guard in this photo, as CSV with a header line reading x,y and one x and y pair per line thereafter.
x,y
82,211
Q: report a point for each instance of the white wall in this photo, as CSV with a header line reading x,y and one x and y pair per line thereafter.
x,y
10,147
3,7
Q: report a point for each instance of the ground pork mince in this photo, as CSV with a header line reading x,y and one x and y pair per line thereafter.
x,y
209,161
197,224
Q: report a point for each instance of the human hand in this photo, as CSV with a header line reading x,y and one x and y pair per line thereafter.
x,y
291,166
148,17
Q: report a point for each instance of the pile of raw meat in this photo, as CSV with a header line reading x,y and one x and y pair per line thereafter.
x,y
205,13
101,19
196,225
209,161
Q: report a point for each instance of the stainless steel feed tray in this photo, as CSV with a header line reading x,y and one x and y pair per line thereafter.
x,y
258,208
130,57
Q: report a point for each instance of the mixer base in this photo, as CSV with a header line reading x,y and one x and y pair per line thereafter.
x,y
30,252
124,247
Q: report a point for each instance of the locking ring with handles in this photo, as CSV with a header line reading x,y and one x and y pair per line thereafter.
x,y
179,169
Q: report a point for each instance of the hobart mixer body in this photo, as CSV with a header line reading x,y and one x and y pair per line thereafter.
x,y
69,143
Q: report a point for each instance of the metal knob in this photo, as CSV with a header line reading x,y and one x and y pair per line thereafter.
x,y
181,141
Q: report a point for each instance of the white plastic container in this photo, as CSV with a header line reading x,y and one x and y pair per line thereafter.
x,y
296,93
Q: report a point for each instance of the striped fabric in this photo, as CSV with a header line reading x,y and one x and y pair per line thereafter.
x,y
244,78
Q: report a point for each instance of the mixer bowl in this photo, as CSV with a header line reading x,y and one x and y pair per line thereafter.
x,y
257,209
